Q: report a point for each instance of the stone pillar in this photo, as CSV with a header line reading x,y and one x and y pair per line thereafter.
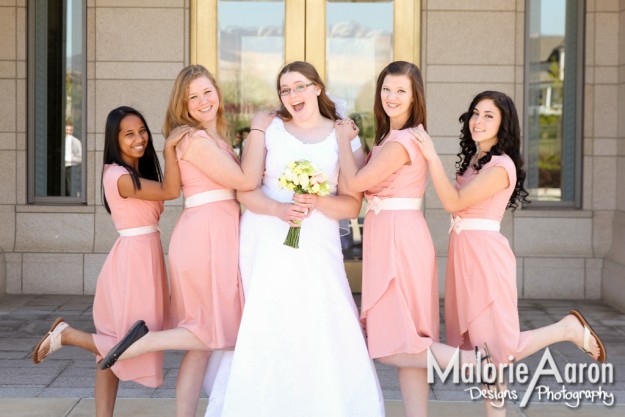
x,y
3,273
613,280
613,276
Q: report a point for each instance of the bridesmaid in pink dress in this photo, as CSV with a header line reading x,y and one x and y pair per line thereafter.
x,y
481,295
206,291
133,282
400,281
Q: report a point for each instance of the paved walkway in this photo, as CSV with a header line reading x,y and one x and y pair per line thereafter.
x,y
62,386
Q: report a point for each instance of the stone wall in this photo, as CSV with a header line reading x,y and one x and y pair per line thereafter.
x,y
137,47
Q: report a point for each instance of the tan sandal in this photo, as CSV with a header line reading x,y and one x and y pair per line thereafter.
x,y
55,339
588,331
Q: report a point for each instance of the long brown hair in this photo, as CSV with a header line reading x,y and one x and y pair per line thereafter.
x,y
327,108
177,109
418,114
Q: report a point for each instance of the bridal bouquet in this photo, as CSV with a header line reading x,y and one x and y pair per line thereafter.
x,y
302,177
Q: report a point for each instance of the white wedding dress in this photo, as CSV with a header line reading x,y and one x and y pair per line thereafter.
x,y
300,350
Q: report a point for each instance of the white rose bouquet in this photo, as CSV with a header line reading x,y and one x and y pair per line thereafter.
x,y
302,177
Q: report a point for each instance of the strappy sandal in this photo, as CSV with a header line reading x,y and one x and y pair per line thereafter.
x,y
588,331
54,334
489,359
479,358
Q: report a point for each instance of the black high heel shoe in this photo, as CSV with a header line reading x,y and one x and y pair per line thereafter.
x,y
136,332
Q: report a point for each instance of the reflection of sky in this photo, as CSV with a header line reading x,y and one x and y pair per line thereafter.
x,y
251,49
548,17
359,45
371,15
69,31
250,13
271,13
251,45
552,22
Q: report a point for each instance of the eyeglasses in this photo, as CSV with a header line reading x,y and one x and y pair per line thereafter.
x,y
298,89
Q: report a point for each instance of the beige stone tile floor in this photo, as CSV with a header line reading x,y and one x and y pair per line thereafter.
x,y
62,386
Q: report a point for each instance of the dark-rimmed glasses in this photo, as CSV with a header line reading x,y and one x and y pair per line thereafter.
x,y
298,89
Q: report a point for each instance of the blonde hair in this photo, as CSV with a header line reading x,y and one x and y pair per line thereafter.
x,y
177,109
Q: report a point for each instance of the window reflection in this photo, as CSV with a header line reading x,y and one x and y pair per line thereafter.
x,y
58,86
359,45
551,101
73,100
251,52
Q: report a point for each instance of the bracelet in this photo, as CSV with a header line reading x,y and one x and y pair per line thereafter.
x,y
260,130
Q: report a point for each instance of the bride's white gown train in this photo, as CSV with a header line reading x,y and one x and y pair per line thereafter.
x,y
300,350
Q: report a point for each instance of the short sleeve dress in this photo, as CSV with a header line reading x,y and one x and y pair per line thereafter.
x,y
481,275
400,302
132,284
206,290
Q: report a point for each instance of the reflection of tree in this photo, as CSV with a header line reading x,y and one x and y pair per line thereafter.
x,y
550,121
242,98
364,121
73,103
363,107
366,95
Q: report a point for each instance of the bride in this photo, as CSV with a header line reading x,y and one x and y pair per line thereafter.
x,y
300,349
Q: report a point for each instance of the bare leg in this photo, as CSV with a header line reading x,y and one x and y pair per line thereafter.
x,y
106,384
69,337
174,339
569,329
412,374
78,338
414,391
444,354
190,379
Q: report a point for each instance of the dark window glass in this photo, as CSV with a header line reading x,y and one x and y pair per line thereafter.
x,y
57,75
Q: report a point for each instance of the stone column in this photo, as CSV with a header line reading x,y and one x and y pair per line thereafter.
x,y
3,273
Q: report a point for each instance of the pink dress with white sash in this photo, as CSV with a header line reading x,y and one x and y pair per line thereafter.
x,y
132,284
206,291
481,291
400,301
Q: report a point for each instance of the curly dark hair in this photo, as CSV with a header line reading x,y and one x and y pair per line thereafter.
x,y
508,142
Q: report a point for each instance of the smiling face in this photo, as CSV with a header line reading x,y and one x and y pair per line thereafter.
x,y
397,99
203,102
301,105
133,139
484,124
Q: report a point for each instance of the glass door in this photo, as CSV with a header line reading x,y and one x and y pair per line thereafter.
x,y
245,43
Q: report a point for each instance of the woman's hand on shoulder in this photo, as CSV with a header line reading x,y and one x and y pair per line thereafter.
x,y
262,120
345,129
177,134
424,141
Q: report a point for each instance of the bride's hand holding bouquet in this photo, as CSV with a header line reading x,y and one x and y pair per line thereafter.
x,y
307,182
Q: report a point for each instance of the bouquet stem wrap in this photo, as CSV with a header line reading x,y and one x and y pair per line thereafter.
x,y
292,237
